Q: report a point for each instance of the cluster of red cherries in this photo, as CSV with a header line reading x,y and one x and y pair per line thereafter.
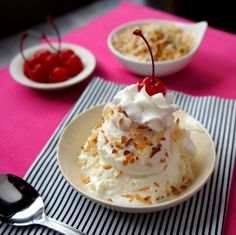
x,y
51,66
152,85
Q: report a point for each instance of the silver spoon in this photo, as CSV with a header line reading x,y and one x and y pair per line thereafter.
x,y
21,205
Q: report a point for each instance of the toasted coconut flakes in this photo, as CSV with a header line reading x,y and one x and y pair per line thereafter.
x,y
115,153
95,153
137,133
129,196
107,167
156,184
120,173
166,154
82,163
177,134
174,190
122,111
123,139
139,146
132,160
177,122
106,140
128,142
144,189
155,150
94,139
109,200
125,162
127,152
185,181
162,160
108,112
121,122
142,127
119,145
86,180
129,158
165,167
168,188
146,200
98,125
160,197
87,148
163,138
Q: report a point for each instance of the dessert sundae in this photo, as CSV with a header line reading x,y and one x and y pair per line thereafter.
x,y
140,154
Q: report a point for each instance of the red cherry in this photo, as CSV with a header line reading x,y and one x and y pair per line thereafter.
x,y
41,55
152,88
50,62
65,55
73,65
26,69
28,66
34,71
58,74
37,73
152,84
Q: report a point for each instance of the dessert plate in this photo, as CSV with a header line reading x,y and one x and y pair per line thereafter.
x,y
77,132
88,59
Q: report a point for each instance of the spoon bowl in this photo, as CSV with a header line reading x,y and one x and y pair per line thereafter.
x,y
21,205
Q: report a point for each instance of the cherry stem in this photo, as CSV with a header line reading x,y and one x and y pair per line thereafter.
x,y
138,32
23,37
44,37
52,23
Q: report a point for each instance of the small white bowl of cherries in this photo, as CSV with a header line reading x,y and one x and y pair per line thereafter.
x,y
51,66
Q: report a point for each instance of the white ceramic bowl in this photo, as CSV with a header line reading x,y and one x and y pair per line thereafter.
x,y
88,60
77,132
162,68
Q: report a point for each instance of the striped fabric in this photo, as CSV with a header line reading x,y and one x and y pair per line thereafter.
x,y
202,214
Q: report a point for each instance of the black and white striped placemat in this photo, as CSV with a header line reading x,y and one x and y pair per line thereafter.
x,y
202,214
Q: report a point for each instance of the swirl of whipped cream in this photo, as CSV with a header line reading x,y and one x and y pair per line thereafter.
x,y
155,111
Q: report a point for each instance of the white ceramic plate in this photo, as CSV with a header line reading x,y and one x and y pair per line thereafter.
x,y
77,132
88,59
162,68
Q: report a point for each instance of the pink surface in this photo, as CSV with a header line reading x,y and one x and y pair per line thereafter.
x,y
29,117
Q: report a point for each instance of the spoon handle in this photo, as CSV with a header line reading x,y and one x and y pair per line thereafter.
x,y
59,226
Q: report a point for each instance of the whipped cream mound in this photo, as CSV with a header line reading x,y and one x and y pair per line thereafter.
x,y
139,154
155,111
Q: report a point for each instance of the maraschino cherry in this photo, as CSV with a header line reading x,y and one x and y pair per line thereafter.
x,y
31,67
51,66
152,85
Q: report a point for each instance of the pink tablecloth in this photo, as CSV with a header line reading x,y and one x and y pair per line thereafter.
x,y
29,117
